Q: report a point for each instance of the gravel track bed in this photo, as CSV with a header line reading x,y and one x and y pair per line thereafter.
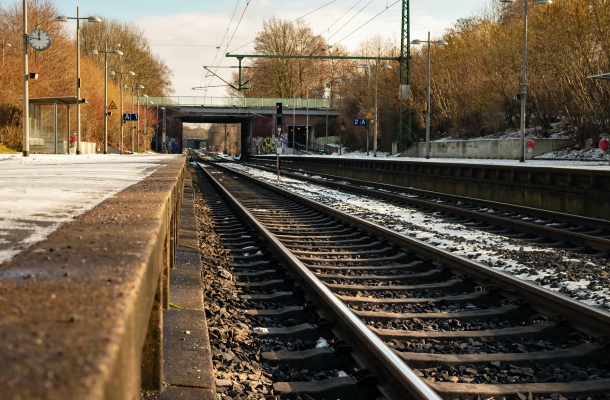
x,y
450,325
492,374
421,307
488,346
389,294
588,278
236,351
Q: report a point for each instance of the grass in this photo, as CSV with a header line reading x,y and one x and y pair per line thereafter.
x,y
4,149
174,305
188,246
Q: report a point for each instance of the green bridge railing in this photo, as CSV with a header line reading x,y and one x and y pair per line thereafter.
x,y
236,102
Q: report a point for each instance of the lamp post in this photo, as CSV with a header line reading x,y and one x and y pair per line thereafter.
x,y
440,43
137,87
326,141
522,95
338,80
163,145
368,103
106,52
4,47
121,73
146,103
385,66
63,18
26,74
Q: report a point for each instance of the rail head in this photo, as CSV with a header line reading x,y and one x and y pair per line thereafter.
x,y
410,385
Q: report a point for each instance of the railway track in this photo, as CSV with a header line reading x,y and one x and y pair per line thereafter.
x,y
466,329
284,315
545,228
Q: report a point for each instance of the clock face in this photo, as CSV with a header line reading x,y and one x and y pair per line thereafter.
x,y
39,39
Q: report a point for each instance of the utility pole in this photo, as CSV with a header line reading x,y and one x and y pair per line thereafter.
x,y
26,73
368,106
138,125
78,138
106,99
375,127
121,116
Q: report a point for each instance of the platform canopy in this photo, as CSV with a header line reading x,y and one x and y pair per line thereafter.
x,y
42,101
602,76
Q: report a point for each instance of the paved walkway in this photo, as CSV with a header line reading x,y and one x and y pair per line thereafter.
x,y
40,193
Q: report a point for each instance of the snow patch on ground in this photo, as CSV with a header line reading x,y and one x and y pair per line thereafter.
x,y
42,192
589,153
557,131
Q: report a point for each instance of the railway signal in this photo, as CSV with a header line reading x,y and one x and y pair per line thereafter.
x,y
278,111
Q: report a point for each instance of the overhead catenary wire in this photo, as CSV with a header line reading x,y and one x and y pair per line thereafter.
x,y
223,38
231,39
350,20
384,10
302,16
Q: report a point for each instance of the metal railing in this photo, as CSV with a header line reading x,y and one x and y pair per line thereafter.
x,y
313,148
236,102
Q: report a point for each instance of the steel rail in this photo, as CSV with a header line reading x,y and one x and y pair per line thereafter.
x,y
597,243
397,372
574,310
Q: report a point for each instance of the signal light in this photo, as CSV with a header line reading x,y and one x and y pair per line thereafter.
x,y
278,108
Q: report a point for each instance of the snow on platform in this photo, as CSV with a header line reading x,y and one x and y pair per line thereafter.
x,y
40,193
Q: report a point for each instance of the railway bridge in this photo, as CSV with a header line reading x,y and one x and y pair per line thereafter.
x,y
255,115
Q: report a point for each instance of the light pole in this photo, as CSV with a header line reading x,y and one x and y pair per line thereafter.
x,y
440,43
26,74
385,66
132,125
146,103
4,47
522,95
63,18
338,80
121,73
326,141
163,144
106,52
368,103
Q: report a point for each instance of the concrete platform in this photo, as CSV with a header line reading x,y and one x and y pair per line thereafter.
x,y
187,355
567,187
81,309
42,192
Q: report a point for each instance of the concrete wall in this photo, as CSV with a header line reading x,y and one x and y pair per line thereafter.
x,y
507,149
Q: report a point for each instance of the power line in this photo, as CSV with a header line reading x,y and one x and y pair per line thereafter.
x,y
387,8
223,38
328,29
319,8
230,40
311,12
350,20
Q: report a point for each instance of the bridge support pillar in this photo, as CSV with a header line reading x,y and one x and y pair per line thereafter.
x,y
246,139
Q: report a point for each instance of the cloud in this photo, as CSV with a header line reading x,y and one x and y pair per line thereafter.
x,y
187,41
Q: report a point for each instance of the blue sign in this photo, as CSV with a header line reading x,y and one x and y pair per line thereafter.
x,y
360,122
130,117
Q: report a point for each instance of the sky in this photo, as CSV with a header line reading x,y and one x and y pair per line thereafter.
x,y
186,33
